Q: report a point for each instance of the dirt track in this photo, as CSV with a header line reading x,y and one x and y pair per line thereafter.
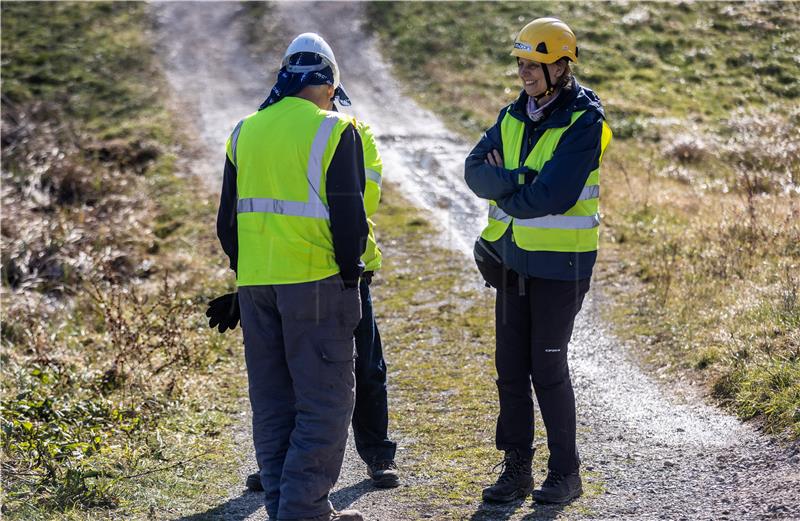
x,y
661,454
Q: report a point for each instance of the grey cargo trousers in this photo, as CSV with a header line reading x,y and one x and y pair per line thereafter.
x,y
300,355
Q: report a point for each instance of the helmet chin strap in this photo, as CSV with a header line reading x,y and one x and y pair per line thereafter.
x,y
550,87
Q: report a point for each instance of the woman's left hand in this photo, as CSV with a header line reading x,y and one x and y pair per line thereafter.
x,y
494,158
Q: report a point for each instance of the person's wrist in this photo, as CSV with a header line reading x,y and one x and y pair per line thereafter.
x,y
350,278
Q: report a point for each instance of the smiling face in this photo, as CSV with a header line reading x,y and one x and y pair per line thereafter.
x,y
532,76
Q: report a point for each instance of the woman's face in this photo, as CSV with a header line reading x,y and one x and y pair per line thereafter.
x,y
532,76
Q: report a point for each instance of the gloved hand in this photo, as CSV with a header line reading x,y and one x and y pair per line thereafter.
x,y
223,312
351,277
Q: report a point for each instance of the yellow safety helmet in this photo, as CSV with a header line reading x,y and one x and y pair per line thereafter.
x,y
546,40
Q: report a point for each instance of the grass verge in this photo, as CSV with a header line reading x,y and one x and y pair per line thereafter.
x,y
701,203
116,400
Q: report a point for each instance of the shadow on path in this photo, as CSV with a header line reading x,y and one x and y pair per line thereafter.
x,y
235,508
344,497
504,511
247,503
496,511
544,512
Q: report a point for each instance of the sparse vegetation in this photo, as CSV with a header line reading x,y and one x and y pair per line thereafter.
x,y
701,205
117,401
115,395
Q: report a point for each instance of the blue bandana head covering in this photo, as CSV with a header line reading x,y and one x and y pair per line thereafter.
x,y
303,69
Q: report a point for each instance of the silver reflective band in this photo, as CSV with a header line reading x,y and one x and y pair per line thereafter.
x,y
314,207
589,192
318,146
235,139
294,208
498,215
307,68
562,222
374,176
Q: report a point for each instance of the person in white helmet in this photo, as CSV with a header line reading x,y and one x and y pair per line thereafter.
x,y
370,416
293,224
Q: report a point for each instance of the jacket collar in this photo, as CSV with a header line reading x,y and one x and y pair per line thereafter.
x,y
560,113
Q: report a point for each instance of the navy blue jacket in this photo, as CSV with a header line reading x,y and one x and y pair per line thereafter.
x,y
554,190
344,187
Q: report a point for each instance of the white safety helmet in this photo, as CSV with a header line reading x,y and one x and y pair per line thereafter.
x,y
312,42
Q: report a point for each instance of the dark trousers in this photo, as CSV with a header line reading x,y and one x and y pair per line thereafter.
x,y
299,350
371,414
533,332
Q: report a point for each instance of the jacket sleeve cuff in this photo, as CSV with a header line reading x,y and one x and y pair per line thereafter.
x,y
351,276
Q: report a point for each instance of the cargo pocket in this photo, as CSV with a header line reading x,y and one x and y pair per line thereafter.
x,y
350,307
338,350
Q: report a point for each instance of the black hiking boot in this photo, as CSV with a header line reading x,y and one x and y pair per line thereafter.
x,y
515,480
383,473
559,488
253,482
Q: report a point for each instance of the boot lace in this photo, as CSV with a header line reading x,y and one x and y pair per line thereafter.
x,y
509,469
553,479
384,465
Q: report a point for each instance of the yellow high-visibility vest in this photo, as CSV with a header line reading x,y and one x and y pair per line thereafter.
x,y
577,229
373,168
282,154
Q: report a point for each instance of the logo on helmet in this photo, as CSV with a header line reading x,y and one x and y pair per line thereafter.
x,y
522,46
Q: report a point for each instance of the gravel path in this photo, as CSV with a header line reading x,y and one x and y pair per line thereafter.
x,y
659,450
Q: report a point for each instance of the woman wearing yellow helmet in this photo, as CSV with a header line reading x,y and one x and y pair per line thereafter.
x,y
539,168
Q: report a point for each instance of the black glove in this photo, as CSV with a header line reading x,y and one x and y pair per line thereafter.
x,y
350,278
223,312
367,277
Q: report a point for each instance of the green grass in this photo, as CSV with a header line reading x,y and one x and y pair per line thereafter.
x,y
701,184
694,62
117,401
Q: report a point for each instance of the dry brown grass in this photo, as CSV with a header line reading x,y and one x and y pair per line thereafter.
x,y
114,394
718,251
77,208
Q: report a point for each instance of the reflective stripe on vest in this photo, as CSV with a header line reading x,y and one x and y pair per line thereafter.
x,y
314,208
498,215
561,222
588,192
374,176
235,140
295,208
